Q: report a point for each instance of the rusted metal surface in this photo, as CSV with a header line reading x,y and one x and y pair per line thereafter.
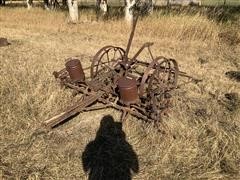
x,y
74,68
107,58
116,82
128,90
130,39
72,110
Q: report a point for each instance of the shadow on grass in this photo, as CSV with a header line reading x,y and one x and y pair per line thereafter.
x,y
109,156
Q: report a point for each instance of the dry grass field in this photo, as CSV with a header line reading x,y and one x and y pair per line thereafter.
x,y
202,139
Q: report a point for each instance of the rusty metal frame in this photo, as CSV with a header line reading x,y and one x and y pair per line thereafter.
x,y
102,86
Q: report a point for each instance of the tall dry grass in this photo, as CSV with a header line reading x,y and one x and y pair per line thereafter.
x,y
203,128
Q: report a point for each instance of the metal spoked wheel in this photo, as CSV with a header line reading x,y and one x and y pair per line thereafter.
x,y
106,59
159,79
164,77
161,82
163,71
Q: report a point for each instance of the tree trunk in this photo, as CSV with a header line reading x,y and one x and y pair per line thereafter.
x,y
46,4
2,2
128,11
73,10
29,4
151,4
64,3
103,6
54,4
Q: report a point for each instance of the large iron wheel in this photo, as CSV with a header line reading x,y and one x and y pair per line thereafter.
x,y
106,59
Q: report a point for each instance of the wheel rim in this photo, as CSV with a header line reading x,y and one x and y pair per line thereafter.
x,y
158,80
164,77
106,59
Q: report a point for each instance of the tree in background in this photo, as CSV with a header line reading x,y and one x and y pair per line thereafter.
x,y
128,10
142,7
2,2
29,4
73,10
102,7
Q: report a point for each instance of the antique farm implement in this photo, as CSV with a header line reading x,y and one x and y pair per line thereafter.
x,y
132,86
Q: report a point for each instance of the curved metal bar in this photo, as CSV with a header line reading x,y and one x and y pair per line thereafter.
x,y
176,72
99,55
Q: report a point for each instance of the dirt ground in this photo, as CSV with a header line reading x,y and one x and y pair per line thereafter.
x,y
202,138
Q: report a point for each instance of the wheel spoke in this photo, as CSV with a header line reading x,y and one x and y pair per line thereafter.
x,y
106,59
160,81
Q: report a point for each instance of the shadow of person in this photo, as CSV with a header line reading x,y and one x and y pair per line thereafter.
x,y
109,156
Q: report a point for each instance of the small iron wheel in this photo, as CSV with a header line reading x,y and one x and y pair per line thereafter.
x,y
161,82
106,59
164,77
159,79
161,73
